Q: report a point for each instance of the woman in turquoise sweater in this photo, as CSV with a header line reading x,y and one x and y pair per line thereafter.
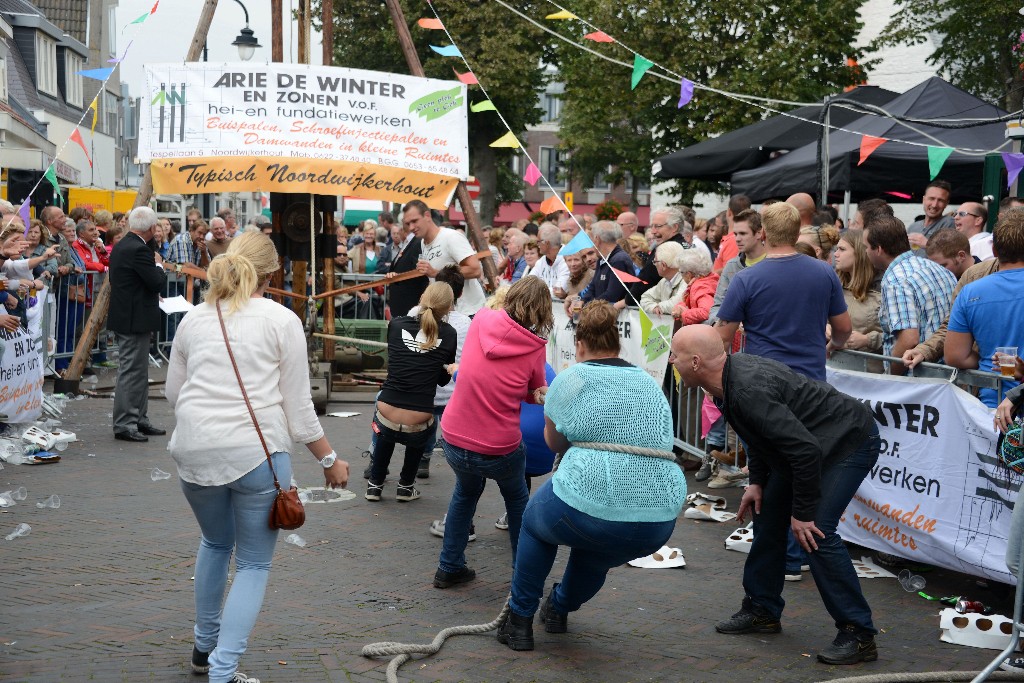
x,y
608,507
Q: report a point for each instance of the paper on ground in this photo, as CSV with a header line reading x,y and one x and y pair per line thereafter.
x,y
867,569
342,414
175,304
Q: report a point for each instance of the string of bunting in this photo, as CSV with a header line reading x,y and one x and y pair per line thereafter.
x,y
102,75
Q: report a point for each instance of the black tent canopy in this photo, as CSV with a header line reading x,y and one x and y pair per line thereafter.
x,y
895,168
753,145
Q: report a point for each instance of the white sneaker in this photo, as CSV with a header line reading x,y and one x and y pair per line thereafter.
x,y
240,677
1013,664
794,577
437,528
502,522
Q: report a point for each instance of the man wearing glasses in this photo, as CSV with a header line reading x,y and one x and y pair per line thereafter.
x,y
970,221
666,226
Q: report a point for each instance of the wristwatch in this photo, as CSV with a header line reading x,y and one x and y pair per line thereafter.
x,y
328,460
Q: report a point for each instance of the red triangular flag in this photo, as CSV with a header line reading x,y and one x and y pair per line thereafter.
x,y
77,138
153,11
599,37
467,78
626,277
868,144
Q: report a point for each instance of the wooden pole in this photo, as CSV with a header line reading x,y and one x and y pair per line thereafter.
x,y
101,298
276,31
327,19
476,236
300,268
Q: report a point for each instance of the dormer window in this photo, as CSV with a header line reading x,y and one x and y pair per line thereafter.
x,y
3,79
72,65
46,64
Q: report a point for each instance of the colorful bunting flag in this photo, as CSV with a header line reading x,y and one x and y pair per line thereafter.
x,y
506,140
1014,162
626,277
447,50
685,93
155,5
641,65
868,144
936,158
577,244
551,205
486,105
430,24
532,174
98,74
95,113
77,138
141,19
599,37
51,175
25,215
564,14
469,78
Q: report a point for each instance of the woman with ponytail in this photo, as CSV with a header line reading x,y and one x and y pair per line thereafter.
x,y
224,471
421,357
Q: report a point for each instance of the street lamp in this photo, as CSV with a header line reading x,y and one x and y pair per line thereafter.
x,y
246,40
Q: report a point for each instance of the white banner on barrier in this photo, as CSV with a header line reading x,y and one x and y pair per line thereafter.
x,y
644,339
21,376
938,493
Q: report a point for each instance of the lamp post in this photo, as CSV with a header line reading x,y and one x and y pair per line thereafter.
x,y
246,41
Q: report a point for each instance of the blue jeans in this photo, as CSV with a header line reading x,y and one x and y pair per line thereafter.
x,y
763,573
596,546
472,470
384,448
233,517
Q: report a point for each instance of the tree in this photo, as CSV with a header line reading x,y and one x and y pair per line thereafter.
x,y
980,48
505,53
790,50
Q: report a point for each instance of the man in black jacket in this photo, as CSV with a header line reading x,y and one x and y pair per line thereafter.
x,y
406,249
136,281
809,449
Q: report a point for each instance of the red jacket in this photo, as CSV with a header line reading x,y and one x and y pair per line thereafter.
x,y
98,264
696,303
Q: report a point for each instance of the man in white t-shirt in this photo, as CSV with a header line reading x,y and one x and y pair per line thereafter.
x,y
970,220
442,247
550,267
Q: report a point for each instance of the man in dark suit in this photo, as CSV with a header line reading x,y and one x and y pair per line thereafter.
x,y
406,248
136,281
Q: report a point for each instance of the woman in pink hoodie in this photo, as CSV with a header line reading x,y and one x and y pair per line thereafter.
x,y
502,366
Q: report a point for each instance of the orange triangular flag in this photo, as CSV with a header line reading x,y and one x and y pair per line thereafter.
x,y
155,5
599,37
551,205
77,138
626,277
430,23
467,78
868,144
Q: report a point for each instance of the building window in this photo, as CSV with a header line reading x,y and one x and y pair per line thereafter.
x,y
552,165
110,106
46,64
72,65
628,182
600,182
3,79
552,105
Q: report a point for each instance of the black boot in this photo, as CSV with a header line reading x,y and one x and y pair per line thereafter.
x,y
552,620
517,632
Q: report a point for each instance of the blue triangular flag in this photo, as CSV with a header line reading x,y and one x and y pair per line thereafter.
x,y
577,244
446,51
98,74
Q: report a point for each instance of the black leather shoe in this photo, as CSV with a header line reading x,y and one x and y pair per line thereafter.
x,y
443,579
130,436
150,430
850,647
517,632
552,620
747,621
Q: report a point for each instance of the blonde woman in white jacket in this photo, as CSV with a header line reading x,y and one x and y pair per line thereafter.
x,y
662,297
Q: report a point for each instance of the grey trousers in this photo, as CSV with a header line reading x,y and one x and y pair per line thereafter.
x,y
131,396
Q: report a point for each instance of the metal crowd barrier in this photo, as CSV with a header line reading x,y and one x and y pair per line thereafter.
x,y
64,320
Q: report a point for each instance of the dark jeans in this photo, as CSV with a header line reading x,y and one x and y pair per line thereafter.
x,y
596,546
472,470
763,573
384,448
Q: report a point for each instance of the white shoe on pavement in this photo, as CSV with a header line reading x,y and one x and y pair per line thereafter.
x,y
502,522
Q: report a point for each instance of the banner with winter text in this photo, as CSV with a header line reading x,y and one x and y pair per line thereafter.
x,y
208,127
938,494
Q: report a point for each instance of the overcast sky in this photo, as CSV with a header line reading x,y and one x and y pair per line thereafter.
x,y
166,35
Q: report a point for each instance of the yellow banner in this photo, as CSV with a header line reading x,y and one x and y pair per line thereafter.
x,y
307,176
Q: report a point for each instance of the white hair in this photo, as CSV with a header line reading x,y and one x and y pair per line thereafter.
x,y
141,219
606,232
673,216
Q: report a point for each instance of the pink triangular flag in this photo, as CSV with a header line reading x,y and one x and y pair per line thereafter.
x,y
1014,162
532,174
77,138
599,37
626,277
468,78
868,144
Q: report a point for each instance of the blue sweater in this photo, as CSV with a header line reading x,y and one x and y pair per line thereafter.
x,y
602,403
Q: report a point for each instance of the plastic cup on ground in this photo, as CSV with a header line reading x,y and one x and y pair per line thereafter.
x,y
911,583
156,474
51,502
295,539
19,531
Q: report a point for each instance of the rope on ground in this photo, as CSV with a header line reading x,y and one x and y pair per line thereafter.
x,y
930,677
403,652
623,448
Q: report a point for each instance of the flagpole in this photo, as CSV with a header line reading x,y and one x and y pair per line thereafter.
x,y
101,299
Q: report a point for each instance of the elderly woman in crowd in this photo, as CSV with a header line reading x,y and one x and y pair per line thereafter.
x,y
663,297
606,505
579,276
821,238
701,283
861,291
226,477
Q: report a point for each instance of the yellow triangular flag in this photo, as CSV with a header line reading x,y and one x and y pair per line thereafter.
x,y
506,140
564,14
95,113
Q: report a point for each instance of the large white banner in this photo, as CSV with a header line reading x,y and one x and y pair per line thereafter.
x,y
938,493
644,339
21,369
298,128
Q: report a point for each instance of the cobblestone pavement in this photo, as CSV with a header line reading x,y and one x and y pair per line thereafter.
x,y
100,590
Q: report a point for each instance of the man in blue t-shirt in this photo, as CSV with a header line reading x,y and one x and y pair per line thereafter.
x,y
785,303
990,311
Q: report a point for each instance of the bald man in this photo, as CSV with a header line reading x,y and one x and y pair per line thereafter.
x,y
629,223
970,220
809,448
804,203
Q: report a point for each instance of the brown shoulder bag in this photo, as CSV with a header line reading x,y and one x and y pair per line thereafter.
x,y
287,511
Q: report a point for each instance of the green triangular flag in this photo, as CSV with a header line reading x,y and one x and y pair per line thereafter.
x,y
486,105
936,158
640,67
51,175
141,19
